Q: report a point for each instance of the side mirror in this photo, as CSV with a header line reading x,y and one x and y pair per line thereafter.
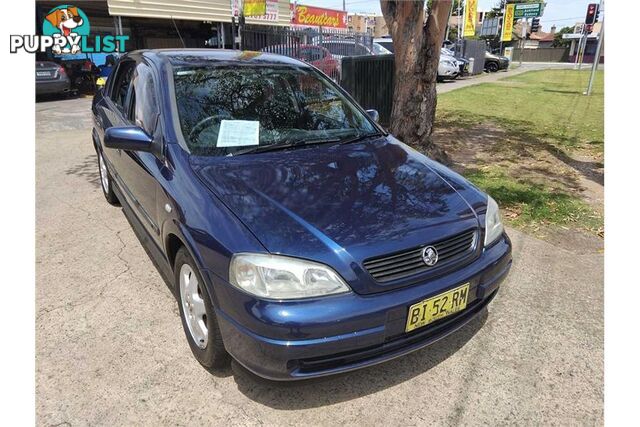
x,y
374,115
131,138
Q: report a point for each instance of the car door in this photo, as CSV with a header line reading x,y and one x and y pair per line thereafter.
x,y
139,169
110,112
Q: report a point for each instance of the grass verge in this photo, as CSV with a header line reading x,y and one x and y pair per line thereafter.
x,y
524,140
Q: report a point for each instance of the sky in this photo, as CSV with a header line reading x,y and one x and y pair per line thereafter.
x,y
560,13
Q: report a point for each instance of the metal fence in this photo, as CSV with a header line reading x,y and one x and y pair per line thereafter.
x,y
322,47
472,49
369,79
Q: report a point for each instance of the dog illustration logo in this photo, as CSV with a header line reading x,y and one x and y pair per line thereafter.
x,y
69,22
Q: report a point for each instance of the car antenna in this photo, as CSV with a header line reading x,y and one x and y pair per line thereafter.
x,y
178,31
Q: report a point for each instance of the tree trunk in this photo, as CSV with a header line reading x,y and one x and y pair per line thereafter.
x,y
416,45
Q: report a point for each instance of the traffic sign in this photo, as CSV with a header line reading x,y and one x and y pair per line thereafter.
x,y
528,10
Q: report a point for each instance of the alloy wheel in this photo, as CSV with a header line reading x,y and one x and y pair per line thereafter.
x,y
104,174
193,307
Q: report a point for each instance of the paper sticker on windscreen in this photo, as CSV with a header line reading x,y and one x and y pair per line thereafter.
x,y
238,133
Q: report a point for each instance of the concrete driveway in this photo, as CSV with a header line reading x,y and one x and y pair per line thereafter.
x,y
110,348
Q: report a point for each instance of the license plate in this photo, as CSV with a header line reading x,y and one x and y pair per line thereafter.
x,y
43,73
435,308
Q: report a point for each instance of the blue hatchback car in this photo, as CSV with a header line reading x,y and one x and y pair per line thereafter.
x,y
297,235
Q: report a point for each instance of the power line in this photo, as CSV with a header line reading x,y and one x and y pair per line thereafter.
x,y
560,19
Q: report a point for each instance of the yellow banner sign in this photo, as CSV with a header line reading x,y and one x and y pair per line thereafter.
x,y
254,7
507,22
470,17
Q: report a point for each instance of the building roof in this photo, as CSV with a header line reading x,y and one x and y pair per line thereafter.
x,y
542,36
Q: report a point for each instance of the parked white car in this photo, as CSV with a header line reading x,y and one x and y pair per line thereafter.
x,y
448,68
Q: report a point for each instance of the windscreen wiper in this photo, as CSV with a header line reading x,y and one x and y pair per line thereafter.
x,y
276,147
359,138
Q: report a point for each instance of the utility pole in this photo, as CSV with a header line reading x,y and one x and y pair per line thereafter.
x,y
458,43
344,5
584,47
523,36
579,47
596,58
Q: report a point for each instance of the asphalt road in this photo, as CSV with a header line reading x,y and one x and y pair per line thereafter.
x,y
110,348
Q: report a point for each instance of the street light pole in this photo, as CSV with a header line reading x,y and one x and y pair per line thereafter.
x,y
596,58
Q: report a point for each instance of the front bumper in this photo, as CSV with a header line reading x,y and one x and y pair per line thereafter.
x,y
448,72
310,338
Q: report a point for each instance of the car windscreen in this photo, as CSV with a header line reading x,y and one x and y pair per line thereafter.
x,y
387,44
224,110
378,49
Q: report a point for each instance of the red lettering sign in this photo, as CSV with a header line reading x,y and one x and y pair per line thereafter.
x,y
319,17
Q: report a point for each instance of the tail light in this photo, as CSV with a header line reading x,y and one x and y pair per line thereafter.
x,y
61,71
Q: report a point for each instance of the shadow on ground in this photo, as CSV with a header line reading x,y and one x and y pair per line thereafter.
x,y
56,97
478,142
87,169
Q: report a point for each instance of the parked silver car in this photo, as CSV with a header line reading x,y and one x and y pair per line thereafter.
x,y
51,78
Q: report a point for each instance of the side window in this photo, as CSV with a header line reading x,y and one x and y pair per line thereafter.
x,y
144,106
310,54
334,48
121,85
360,49
315,54
350,50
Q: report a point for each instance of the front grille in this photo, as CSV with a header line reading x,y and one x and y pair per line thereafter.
x,y
407,263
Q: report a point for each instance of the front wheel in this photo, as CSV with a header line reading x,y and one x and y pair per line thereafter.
x,y
106,181
197,313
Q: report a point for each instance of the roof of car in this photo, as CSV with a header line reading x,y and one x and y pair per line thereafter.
x,y
213,57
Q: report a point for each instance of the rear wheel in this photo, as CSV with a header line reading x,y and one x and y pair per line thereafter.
x,y
492,67
105,181
197,313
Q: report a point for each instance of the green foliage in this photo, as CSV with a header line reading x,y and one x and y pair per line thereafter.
x,y
558,41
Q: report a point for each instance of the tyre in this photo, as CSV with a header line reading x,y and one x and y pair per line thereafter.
x,y
106,181
198,316
492,67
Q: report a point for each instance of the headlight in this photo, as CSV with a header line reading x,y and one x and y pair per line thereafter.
x,y
492,225
281,277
